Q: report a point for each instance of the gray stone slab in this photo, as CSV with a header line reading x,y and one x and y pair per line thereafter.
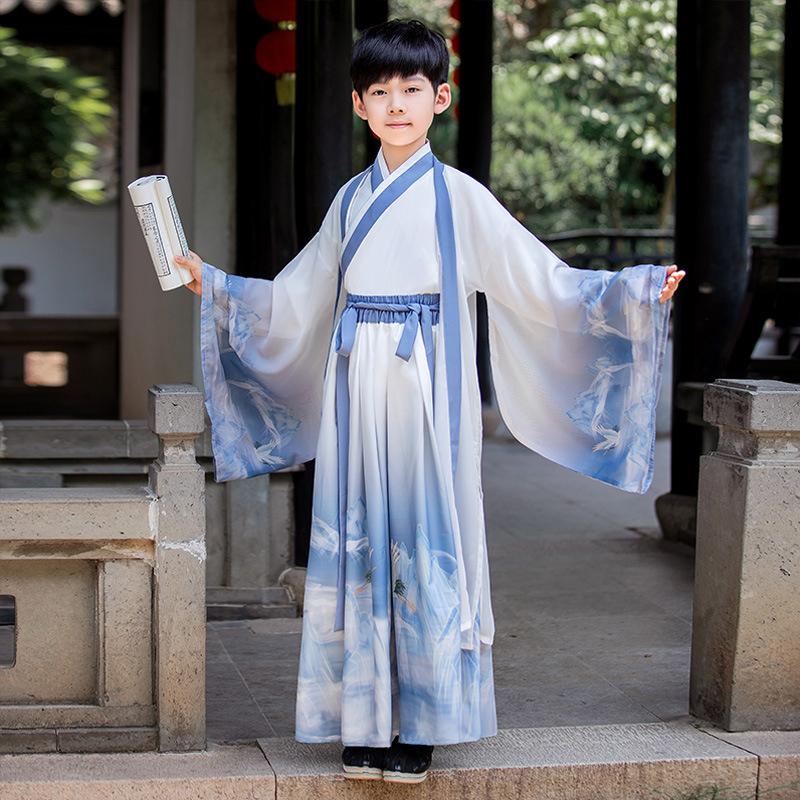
x,y
34,741
232,713
142,442
43,438
779,759
247,594
113,740
597,762
25,478
220,773
597,633
88,513
236,611
77,715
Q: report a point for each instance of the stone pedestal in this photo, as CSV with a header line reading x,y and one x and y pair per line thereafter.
x,y
745,671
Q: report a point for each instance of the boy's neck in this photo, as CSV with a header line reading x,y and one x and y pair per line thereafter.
x,y
395,155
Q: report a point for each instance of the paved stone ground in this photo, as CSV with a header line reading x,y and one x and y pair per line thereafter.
x,y
593,610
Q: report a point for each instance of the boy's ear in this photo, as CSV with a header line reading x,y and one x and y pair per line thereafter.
x,y
443,98
358,105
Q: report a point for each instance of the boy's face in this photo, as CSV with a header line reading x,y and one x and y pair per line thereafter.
x,y
400,110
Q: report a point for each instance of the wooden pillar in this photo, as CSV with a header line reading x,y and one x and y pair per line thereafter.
x,y
711,242
324,121
266,237
323,155
474,149
788,199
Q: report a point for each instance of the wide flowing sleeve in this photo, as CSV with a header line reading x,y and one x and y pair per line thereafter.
x,y
576,354
263,350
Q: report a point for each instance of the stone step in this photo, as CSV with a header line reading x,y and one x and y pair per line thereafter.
x,y
680,760
267,602
255,594
216,612
597,762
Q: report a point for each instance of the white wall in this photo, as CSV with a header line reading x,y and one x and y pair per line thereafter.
x,y
72,260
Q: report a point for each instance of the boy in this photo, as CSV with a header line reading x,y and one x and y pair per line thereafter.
x,y
397,624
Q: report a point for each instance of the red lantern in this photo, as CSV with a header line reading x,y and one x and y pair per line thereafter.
x,y
276,53
455,43
455,9
456,75
455,111
277,10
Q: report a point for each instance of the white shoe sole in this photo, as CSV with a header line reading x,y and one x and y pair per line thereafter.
x,y
363,773
390,776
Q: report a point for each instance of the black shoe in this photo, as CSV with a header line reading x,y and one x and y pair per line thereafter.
x,y
407,763
364,763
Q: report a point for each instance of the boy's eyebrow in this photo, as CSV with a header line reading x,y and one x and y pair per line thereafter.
x,y
418,78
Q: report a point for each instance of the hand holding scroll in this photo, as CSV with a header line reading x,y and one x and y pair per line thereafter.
x,y
195,265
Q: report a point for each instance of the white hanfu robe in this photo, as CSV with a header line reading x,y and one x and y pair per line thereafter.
x,y
375,377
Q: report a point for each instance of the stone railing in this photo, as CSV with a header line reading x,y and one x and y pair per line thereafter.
x,y
746,625
250,524
106,589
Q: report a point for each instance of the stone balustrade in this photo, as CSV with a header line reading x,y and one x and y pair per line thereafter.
x,y
107,589
250,523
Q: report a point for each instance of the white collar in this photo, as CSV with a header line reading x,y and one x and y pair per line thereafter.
x,y
410,161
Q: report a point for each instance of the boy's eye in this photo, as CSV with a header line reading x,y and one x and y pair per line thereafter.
x,y
410,89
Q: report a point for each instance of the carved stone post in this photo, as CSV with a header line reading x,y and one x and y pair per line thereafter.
x,y
175,413
745,672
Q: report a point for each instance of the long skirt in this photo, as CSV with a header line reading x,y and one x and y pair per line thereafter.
x,y
397,666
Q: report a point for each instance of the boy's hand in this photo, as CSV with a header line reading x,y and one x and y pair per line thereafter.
x,y
195,265
671,283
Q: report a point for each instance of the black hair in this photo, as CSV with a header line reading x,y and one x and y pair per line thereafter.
x,y
401,47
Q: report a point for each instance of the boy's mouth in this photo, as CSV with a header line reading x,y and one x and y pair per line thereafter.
x,y
398,124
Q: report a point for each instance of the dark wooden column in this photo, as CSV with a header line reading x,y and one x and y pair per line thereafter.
x,y
474,149
324,116
788,196
323,156
711,241
265,217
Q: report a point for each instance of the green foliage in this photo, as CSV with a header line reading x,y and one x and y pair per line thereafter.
x,y
49,115
604,81
543,169
766,55
606,86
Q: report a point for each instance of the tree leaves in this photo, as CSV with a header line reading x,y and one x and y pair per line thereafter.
x,y
49,115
